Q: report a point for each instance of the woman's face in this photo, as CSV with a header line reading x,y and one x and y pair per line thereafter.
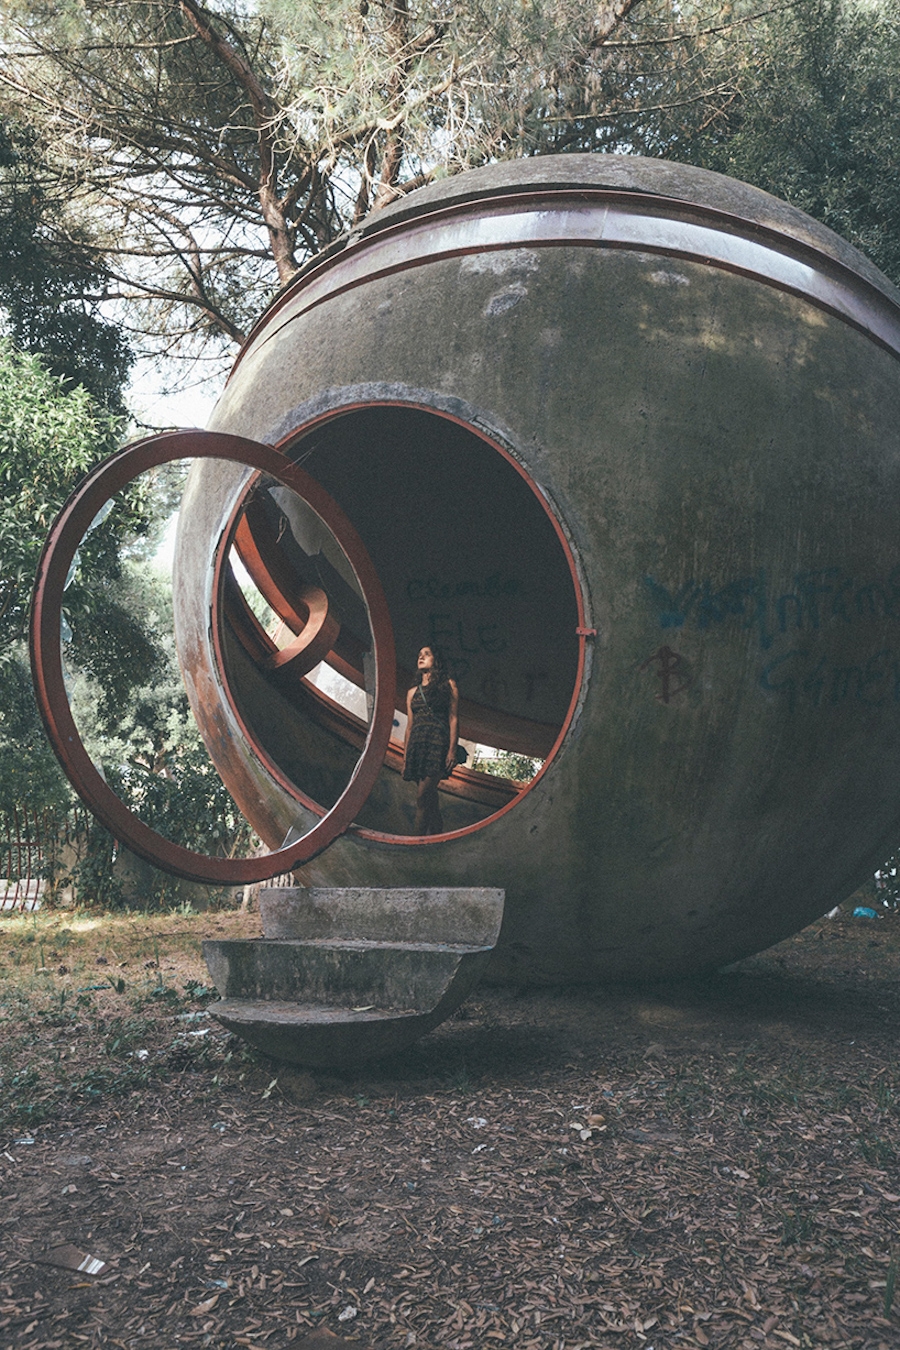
x,y
425,660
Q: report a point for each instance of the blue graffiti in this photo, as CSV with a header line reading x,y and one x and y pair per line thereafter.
x,y
819,597
801,678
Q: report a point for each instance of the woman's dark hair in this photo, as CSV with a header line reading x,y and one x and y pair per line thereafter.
x,y
439,672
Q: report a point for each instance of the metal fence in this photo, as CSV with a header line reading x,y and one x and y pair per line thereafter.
x,y
22,864
29,843
35,844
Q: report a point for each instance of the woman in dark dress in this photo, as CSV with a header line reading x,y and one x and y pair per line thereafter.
x,y
432,727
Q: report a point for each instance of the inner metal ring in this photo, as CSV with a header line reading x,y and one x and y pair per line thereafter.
x,y
66,535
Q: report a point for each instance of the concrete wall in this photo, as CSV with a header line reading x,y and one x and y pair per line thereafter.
x,y
713,420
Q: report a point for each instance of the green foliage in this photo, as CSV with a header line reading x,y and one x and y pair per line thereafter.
x,y
50,436
816,121
51,287
136,723
224,145
507,764
188,804
125,684
29,773
116,652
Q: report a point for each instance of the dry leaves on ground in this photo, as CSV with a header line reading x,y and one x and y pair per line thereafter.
x,y
713,1164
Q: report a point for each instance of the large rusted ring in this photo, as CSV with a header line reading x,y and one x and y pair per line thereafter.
x,y
66,534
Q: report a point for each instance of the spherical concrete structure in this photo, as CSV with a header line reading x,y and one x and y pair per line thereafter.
x,y
622,436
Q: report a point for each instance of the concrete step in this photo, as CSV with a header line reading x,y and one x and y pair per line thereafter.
x,y
454,914
343,973
319,1036
345,976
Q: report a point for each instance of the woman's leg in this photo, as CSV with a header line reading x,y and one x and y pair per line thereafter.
x,y
422,806
428,810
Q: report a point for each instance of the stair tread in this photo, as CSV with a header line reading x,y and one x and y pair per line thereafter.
x,y
290,1012
356,944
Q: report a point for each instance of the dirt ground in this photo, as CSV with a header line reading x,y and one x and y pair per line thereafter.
x,y
709,1164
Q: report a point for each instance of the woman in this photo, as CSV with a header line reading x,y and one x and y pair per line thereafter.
x,y
432,727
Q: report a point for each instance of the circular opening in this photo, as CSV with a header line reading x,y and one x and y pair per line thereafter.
x,y
471,560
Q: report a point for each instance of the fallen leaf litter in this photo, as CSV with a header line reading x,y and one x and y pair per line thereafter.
x,y
530,1176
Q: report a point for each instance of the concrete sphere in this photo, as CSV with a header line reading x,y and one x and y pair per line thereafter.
x,y
622,436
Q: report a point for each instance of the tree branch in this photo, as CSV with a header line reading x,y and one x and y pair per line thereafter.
x,y
264,112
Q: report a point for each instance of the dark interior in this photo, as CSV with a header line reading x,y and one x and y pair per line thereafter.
x,y
469,560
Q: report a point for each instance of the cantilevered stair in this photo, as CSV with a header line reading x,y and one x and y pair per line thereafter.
x,y
343,976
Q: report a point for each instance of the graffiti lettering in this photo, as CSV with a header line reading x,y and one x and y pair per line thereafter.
x,y
532,679
494,687
801,679
816,598
492,587
455,635
668,663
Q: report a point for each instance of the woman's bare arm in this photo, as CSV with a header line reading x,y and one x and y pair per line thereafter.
x,y
409,699
454,724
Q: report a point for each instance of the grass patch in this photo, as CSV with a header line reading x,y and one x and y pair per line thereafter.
x,y
96,1007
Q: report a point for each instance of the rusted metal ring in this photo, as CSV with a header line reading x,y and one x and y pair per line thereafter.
x,y
66,534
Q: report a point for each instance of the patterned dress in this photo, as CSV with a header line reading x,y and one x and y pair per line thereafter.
x,y
429,736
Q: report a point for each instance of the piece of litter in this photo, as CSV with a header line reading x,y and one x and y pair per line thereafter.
x,y
204,1031
26,1139
142,1054
348,1314
368,1007
477,1122
68,1257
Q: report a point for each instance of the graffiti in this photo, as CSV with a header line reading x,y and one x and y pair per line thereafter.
x,y
828,599
828,595
455,635
532,679
494,687
802,678
668,663
492,587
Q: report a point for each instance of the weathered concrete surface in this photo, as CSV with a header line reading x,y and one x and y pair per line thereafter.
x,y
719,444
361,974
345,974
467,914
319,1037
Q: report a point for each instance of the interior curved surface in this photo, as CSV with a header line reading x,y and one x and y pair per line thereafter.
x,y
470,562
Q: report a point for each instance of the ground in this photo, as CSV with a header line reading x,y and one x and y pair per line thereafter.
x,y
709,1164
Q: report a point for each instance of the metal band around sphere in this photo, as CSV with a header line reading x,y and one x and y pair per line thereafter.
x,y
585,217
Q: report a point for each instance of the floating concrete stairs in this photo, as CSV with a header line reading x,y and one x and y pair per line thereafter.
x,y
346,976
